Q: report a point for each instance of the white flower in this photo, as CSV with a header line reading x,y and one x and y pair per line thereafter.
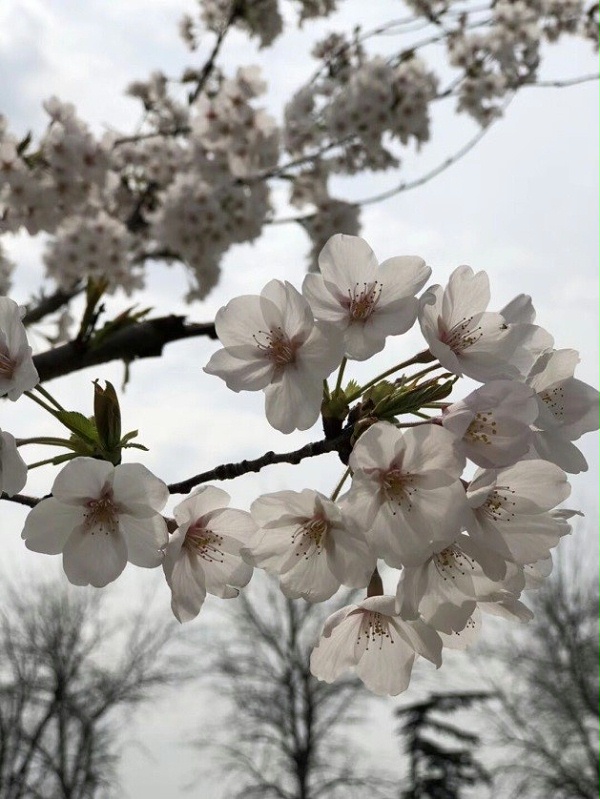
x,y
305,539
17,372
368,302
467,339
568,408
273,343
406,491
203,554
510,510
13,470
373,641
100,516
445,590
493,423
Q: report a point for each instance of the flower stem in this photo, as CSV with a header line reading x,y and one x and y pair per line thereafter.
x,y
416,359
338,488
338,382
49,397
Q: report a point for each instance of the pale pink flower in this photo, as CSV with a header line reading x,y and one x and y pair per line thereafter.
x,y
509,510
272,343
406,492
203,554
467,339
306,540
100,516
365,300
445,590
372,640
493,423
17,372
568,408
13,470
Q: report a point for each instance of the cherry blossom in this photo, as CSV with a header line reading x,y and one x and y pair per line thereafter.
x,y
100,516
17,372
568,408
368,302
203,554
493,423
13,470
304,538
509,510
467,339
406,491
272,343
446,589
372,640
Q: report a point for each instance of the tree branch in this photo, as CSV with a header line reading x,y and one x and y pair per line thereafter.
x,y
48,305
229,471
142,340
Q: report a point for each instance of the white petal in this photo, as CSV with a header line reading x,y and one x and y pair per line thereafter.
x,y
243,368
187,588
146,539
347,260
82,479
49,525
138,491
13,469
94,559
201,502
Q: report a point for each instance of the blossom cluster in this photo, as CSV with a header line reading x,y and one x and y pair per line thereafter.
x,y
458,508
196,176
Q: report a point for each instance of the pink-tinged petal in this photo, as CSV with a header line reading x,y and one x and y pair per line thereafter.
x,y
270,509
291,404
310,579
298,315
432,456
363,501
82,479
466,295
359,346
377,447
243,368
236,525
322,352
551,446
392,319
349,557
201,502
173,550
272,549
223,577
94,559
137,490
24,378
532,537
535,486
479,489
553,367
49,525
386,670
273,301
326,300
13,469
579,408
239,321
187,588
508,608
334,654
466,637
402,276
519,310
146,539
422,638
347,260
411,589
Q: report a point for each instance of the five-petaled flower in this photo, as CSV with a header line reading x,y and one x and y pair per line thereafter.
x,y
100,516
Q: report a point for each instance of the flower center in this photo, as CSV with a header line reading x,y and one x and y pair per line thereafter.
x,y
498,506
277,346
461,336
362,300
375,628
482,428
310,535
452,561
398,487
101,515
554,398
204,543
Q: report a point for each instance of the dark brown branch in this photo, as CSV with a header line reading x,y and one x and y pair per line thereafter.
x,y
141,340
50,304
22,499
228,471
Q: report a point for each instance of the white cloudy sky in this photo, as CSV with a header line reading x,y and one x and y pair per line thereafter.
x,y
523,205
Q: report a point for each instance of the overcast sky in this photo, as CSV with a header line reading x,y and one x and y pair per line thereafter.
x,y
523,206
